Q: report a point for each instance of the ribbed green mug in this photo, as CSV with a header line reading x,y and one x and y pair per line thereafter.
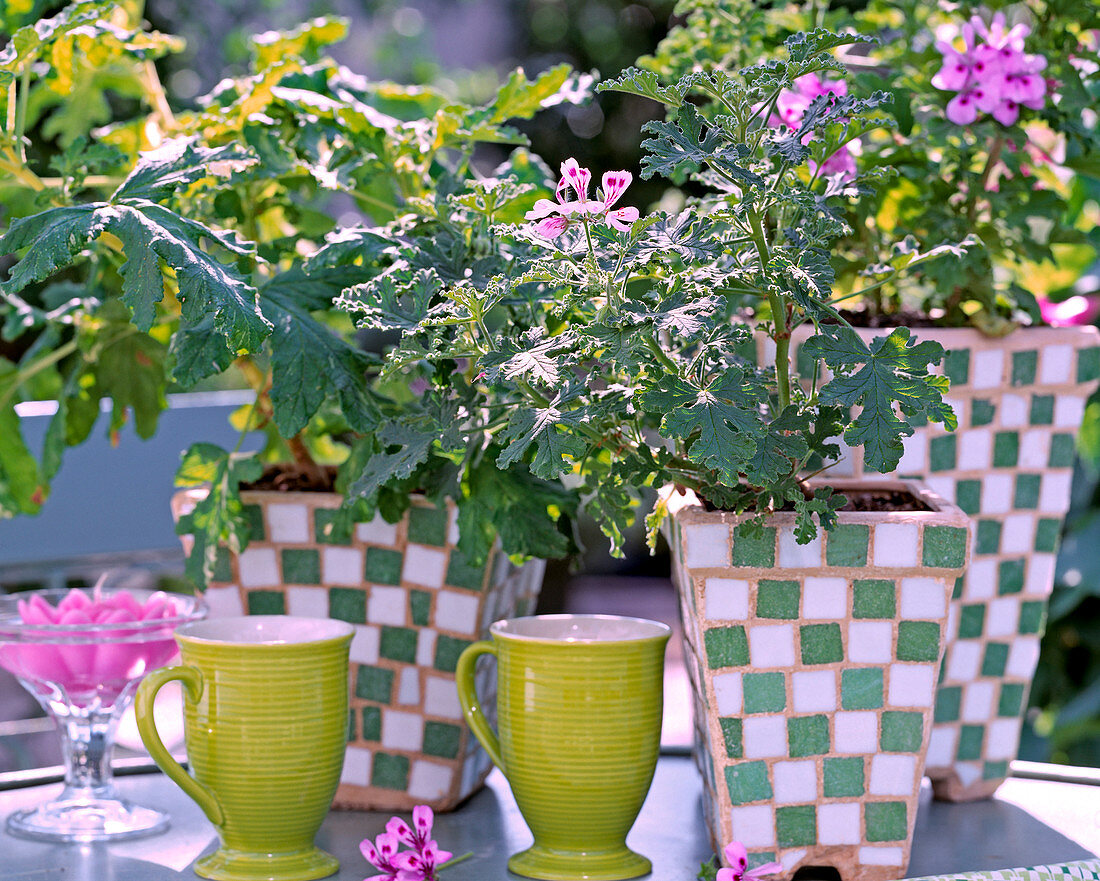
x,y
265,723
579,700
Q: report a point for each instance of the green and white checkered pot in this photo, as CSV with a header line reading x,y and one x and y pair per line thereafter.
x,y
813,672
416,603
1019,400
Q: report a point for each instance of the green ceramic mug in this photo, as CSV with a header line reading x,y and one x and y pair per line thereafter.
x,y
579,700
265,723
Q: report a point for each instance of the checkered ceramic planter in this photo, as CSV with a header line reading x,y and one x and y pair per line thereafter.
x,y
416,603
1019,401
813,670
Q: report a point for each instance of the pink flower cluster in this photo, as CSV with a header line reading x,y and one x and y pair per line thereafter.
x,y
416,864
555,218
739,870
1077,310
791,106
992,76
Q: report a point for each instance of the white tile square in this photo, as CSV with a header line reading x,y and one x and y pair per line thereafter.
x,y
967,772
1069,410
855,732
1022,657
754,825
1040,575
424,566
870,642
456,611
764,736
308,602
942,485
452,527
977,703
915,458
824,597
1055,365
224,602
964,659
893,775
813,691
792,555
1015,410
728,693
706,545
342,566
288,523
974,451
364,644
425,646
941,746
726,599
1002,739
896,544
377,532
1018,534
408,687
912,685
794,783
357,764
402,730
1054,492
386,605
771,645
997,493
789,859
922,598
259,567
429,780
881,856
442,696
1034,449
1002,616
981,579
952,628
987,367
838,824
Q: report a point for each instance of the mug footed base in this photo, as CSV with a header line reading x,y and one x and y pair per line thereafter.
x,y
227,864
563,865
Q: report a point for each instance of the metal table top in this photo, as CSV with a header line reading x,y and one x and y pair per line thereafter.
x,y
1029,822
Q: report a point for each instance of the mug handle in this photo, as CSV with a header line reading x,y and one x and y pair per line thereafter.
x,y
467,696
191,678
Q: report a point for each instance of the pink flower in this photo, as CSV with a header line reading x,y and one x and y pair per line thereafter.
x,y
790,108
554,218
738,858
419,863
1077,310
381,854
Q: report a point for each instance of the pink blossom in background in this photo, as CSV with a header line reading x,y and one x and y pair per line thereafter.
x,y
992,73
1076,310
554,218
738,858
791,107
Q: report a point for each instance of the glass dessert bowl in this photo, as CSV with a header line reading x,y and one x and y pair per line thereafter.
x,y
82,653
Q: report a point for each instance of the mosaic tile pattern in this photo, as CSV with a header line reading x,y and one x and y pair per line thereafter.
x,y
416,603
1019,401
813,672
1082,870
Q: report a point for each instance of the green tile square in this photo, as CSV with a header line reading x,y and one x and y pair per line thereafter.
x,y
398,644
428,526
843,777
442,739
796,826
918,641
885,821
995,659
731,734
351,725
1088,364
462,573
956,365
995,770
329,527
945,546
1023,367
374,684
846,545
447,650
900,731
1006,449
982,412
383,566
988,539
1032,617
861,688
748,782
223,564
1042,410
1027,491
941,453
420,607
970,743
1010,576
753,548
1048,531
726,647
301,566
254,516
764,692
1063,451
348,604
390,772
778,599
972,621
1011,701
821,643
873,598
807,735
372,723
948,703
958,588
266,602
968,495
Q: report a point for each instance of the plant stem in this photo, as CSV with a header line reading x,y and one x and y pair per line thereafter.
x,y
21,111
659,353
37,367
983,182
782,334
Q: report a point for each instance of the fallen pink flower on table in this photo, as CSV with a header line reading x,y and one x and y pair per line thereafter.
x,y
738,858
419,863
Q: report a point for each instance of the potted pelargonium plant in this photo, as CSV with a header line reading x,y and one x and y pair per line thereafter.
x,y
610,355
993,148
162,250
